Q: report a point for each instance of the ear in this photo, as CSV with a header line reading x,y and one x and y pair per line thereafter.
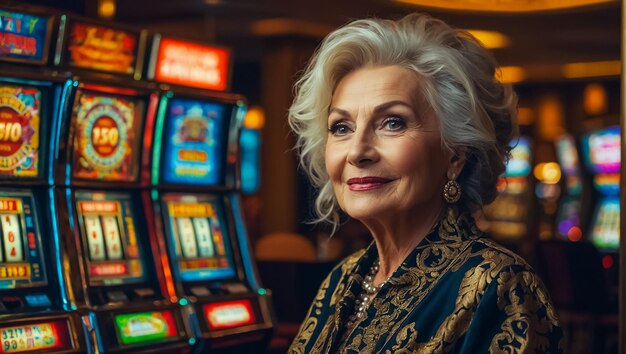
x,y
457,161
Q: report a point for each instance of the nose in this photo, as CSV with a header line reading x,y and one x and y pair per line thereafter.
x,y
362,148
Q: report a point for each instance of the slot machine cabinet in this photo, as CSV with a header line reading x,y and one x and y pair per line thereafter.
x,y
568,221
510,217
36,307
123,286
602,156
196,199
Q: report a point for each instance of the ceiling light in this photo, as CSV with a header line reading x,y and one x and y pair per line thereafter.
x,y
491,39
592,69
504,5
510,74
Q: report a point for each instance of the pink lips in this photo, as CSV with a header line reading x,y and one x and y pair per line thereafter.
x,y
357,184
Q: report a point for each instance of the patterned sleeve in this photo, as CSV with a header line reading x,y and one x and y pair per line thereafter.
x,y
515,315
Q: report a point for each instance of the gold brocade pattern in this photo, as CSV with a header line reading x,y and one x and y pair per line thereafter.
x,y
456,292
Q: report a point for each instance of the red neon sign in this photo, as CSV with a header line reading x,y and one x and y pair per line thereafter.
x,y
229,314
190,64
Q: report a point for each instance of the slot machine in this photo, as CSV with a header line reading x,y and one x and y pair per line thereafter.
x,y
197,200
601,153
568,221
123,287
508,217
36,308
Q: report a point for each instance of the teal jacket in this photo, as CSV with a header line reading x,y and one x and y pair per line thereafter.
x,y
457,292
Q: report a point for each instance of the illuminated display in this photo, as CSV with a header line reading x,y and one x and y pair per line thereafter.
x,y
196,238
229,314
102,48
21,256
19,131
519,164
34,337
567,155
192,64
605,232
193,146
109,238
601,150
23,37
145,327
104,138
250,142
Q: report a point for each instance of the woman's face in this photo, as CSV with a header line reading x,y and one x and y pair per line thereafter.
x,y
384,154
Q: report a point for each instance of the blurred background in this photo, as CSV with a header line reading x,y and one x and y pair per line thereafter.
x,y
559,206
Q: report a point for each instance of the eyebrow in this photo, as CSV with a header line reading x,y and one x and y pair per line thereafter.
x,y
380,108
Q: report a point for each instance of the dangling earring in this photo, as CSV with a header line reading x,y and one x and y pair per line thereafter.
x,y
452,191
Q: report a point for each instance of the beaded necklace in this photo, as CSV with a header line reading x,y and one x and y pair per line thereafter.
x,y
367,295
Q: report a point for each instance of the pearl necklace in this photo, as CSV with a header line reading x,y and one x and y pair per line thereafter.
x,y
369,292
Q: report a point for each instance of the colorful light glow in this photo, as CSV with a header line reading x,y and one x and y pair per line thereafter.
x,y
192,64
23,37
548,172
592,69
35,337
145,327
607,262
229,314
602,150
102,48
511,74
574,234
491,39
502,6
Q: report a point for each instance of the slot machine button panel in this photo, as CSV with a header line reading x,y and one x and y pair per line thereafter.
x,y
143,293
235,288
200,291
37,300
117,296
12,302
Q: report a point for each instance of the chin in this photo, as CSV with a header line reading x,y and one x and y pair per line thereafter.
x,y
365,212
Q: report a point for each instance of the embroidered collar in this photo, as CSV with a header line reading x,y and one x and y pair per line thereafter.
x,y
453,227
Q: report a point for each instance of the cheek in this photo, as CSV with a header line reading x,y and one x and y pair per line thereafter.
x,y
426,161
333,158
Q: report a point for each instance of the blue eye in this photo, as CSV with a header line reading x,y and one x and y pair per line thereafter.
x,y
394,123
339,128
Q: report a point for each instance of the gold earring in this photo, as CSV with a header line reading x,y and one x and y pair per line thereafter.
x,y
452,191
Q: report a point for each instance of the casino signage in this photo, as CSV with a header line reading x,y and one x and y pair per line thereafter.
x,y
23,37
19,128
105,127
191,64
102,48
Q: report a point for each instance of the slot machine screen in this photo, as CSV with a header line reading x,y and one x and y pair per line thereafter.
x,y
198,235
21,253
605,231
36,337
567,155
519,164
106,136
601,150
194,140
19,130
109,239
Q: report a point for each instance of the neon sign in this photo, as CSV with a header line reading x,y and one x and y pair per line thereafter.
x,y
191,64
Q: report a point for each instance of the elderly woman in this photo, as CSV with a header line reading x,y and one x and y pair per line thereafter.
x,y
402,126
